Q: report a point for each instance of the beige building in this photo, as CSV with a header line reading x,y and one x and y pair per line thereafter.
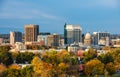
x,y
15,37
50,40
53,40
87,40
1,40
31,33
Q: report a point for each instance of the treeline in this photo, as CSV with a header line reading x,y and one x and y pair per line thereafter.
x,y
105,64
60,64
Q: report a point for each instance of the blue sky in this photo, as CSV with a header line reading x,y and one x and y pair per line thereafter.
x,y
51,15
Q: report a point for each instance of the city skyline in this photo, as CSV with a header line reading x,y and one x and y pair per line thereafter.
x,y
94,15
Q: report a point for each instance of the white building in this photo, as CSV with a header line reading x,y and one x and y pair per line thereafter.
x,y
101,38
73,48
43,38
19,46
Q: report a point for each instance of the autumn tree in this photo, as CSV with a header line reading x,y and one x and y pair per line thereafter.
x,y
94,67
5,48
89,55
110,67
54,64
2,69
14,66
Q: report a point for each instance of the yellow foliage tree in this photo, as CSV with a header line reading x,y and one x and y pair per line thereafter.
x,y
110,67
94,67
14,66
2,68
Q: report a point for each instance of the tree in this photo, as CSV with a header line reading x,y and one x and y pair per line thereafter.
x,y
36,64
64,56
94,67
110,67
106,48
20,58
2,69
116,54
14,56
14,66
89,55
106,58
5,48
6,58
63,68
12,73
55,64
27,71
24,57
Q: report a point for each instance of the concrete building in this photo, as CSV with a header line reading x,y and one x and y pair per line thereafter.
x,y
31,33
115,42
15,37
42,39
44,33
100,37
5,37
1,40
53,40
73,48
72,33
56,39
61,41
50,40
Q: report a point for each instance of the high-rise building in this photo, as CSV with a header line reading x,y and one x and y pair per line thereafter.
x,y
15,37
56,39
53,40
101,38
72,33
31,33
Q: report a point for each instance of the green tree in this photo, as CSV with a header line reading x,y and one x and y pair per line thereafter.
x,y
12,73
24,57
6,58
89,55
27,71
106,58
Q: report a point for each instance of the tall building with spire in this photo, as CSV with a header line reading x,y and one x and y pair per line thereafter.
x,y
72,34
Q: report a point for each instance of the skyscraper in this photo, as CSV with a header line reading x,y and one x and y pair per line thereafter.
x,y
15,37
72,33
31,33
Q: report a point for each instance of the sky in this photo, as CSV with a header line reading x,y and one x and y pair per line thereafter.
x,y
51,15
